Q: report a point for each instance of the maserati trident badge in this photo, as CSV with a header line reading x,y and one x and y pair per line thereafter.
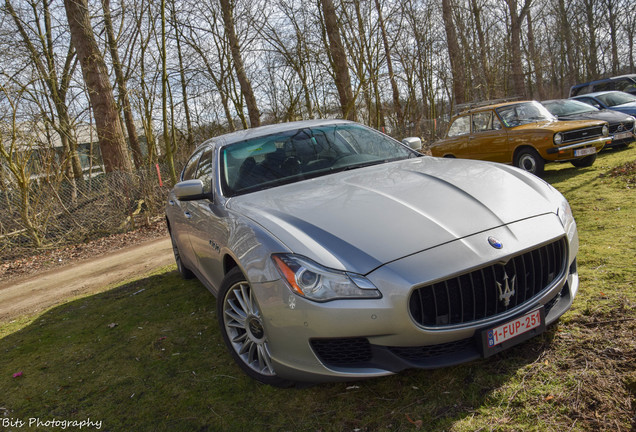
x,y
508,289
495,243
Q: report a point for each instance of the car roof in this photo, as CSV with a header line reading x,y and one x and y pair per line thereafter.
x,y
479,108
251,133
602,80
594,94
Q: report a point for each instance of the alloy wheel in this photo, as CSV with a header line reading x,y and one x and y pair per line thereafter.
x,y
244,327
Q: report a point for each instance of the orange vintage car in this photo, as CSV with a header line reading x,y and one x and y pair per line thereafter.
x,y
524,134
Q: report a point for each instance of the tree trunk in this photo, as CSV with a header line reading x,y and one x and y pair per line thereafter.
x,y
184,91
454,54
516,20
339,57
483,58
613,36
111,137
592,65
397,106
536,61
133,139
235,48
170,145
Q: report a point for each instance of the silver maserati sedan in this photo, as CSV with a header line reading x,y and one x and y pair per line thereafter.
x,y
338,253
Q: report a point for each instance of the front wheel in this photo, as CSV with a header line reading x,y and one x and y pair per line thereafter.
x,y
241,324
584,162
529,160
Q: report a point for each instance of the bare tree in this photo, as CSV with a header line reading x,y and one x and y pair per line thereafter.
x,y
182,74
170,145
235,48
612,21
16,148
339,60
397,106
535,60
109,132
133,139
44,60
454,54
516,21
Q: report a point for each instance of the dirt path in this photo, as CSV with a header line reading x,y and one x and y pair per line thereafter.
x,y
34,293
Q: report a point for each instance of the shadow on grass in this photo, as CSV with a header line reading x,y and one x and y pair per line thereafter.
x,y
149,356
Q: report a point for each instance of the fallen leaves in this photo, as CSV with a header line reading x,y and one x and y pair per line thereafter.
x,y
64,255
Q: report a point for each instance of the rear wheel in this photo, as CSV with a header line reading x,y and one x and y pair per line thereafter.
x,y
584,162
241,324
185,272
529,160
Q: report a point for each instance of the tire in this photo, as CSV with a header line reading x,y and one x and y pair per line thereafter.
x,y
584,162
185,272
529,160
241,324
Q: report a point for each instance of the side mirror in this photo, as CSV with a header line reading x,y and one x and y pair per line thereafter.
x,y
413,142
190,190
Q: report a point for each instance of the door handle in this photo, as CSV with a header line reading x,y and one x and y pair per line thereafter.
x,y
187,214
171,202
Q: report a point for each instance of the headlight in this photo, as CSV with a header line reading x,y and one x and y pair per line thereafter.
x,y
315,282
565,213
558,138
605,131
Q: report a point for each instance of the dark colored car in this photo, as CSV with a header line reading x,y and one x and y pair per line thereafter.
x,y
613,100
621,126
626,83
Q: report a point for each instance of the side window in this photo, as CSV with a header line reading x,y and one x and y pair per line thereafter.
x,y
603,86
205,173
461,126
191,166
592,102
482,121
626,85
496,124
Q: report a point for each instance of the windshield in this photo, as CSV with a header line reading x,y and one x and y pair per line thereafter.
x,y
566,107
523,113
616,98
291,156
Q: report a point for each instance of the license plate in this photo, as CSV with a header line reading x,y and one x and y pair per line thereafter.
x,y
513,332
585,151
622,135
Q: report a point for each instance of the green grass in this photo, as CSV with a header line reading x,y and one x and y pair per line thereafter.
x,y
148,355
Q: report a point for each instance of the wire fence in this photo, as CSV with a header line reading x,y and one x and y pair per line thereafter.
x,y
52,213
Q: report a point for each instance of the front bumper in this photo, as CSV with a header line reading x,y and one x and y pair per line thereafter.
x,y
627,139
351,339
566,152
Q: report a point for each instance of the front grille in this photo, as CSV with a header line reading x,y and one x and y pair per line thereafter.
x,y
342,351
621,127
482,293
582,134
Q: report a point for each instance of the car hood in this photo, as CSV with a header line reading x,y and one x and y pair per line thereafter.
x,y
605,115
360,219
